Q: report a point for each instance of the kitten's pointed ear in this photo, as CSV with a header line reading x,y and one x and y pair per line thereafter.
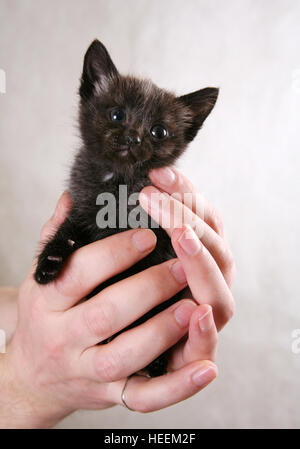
x,y
200,104
97,67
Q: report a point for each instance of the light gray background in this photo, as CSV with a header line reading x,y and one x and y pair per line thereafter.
x,y
246,160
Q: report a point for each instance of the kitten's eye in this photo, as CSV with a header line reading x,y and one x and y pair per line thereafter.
x,y
117,115
159,132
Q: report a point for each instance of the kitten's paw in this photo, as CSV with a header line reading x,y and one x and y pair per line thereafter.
x,y
48,268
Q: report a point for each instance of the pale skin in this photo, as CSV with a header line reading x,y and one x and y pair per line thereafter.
x,y
53,365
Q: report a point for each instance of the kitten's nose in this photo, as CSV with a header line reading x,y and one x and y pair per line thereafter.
x,y
133,139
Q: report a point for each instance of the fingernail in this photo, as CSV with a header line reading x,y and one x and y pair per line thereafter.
x,y
184,312
164,176
178,272
204,375
189,241
144,240
206,321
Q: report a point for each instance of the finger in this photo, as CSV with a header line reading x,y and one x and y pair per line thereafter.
x,y
201,342
91,265
204,278
147,395
134,349
62,209
107,313
171,214
176,184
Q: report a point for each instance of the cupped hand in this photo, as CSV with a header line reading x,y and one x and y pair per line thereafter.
x,y
54,365
198,238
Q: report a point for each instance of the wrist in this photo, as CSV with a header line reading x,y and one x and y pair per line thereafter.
x,y
20,405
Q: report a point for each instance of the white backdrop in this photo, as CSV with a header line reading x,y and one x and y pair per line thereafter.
x,y
246,160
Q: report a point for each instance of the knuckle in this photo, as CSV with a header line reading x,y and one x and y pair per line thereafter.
x,y
111,253
159,273
161,279
228,261
208,351
98,320
217,221
108,368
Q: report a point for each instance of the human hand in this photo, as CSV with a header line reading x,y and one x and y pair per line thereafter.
x,y
54,366
204,254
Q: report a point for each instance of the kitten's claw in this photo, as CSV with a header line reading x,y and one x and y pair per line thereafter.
x,y
48,269
55,258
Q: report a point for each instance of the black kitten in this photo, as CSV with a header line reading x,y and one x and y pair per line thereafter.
x,y
128,126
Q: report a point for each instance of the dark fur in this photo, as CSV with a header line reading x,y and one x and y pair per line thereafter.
x,y
103,88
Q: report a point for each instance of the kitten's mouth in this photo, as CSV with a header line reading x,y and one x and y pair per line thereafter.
x,y
123,150
126,153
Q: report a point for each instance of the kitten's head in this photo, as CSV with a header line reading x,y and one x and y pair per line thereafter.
x,y
126,122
